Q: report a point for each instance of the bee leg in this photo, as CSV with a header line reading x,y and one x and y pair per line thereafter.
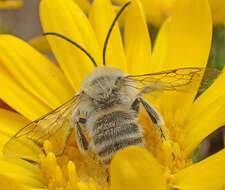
x,y
108,176
82,121
135,105
108,179
154,115
81,139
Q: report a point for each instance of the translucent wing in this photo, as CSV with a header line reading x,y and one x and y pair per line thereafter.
x,y
209,77
54,126
182,79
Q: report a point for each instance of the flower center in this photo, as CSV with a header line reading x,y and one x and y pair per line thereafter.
x,y
72,170
168,152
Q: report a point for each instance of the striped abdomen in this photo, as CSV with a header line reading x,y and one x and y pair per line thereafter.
x,y
114,131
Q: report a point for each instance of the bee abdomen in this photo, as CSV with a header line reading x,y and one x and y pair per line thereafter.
x,y
106,153
114,147
114,131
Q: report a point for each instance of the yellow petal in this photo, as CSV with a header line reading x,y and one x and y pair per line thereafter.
x,y
206,114
119,1
22,148
207,121
11,4
209,96
34,72
10,123
82,186
189,40
205,175
21,171
137,40
135,168
101,16
9,184
157,11
66,18
190,34
83,4
159,54
19,98
40,43
218,12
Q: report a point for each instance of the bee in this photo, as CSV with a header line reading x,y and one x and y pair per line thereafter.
x,y
106,109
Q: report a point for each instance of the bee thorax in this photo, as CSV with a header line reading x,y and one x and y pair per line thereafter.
x,y
103,90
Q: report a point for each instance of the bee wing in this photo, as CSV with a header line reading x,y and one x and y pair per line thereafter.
x,y
54,126
209,77
182,79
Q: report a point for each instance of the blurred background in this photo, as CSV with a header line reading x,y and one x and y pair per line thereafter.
x,y
23,22
21,18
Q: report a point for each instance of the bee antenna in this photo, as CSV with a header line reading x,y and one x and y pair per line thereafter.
x,y
72,42
111,28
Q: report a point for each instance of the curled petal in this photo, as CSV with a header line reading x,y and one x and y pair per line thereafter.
x,y
205,175
135,168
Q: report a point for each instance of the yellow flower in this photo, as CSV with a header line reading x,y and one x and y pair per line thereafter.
x,y
33,85
157,11
11,4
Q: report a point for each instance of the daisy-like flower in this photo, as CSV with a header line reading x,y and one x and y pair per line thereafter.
x,y
33,85
11,4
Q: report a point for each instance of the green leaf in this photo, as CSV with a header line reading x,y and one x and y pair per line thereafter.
x,y
195,157
217,54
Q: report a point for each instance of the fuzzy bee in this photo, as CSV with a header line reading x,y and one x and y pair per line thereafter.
x,y
104,113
